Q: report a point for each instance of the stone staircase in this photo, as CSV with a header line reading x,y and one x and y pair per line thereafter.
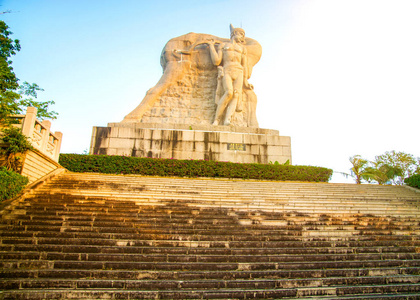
x,y
92,236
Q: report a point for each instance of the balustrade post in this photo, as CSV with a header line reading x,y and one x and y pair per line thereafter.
x,y
28,124
45,133
57,143
40,136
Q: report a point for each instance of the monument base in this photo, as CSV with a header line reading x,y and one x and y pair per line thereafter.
x,y
179,141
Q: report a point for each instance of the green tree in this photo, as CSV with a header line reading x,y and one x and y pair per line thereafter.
x,y
16,145
407,164
417,166
9,95
14,97
358,171
29,92
381,173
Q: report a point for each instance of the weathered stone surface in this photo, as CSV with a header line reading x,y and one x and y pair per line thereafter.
x,y
221,143
203,75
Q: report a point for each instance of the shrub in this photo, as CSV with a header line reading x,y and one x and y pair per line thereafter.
x,y
11,183
413,181
191,168
16,145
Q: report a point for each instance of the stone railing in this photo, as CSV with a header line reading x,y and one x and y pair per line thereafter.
x,y
39,134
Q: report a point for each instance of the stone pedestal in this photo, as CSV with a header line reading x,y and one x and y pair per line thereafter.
x,y
178,141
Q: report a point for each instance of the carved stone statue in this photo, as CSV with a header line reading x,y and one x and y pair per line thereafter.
x,y
204,81
232,75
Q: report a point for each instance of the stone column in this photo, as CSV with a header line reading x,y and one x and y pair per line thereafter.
x,y
28,124
57,144
45,132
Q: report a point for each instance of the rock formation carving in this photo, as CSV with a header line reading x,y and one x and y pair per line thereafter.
x,y
204,81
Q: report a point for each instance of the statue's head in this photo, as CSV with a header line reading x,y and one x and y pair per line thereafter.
x,y
237,34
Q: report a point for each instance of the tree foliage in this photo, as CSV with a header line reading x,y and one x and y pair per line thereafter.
x,y
380,172
359,166
8,81
16,145
14,97
11,184
391,167
29,92
406,163
413,181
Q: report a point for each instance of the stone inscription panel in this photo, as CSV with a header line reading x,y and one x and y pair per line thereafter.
x,y
236,147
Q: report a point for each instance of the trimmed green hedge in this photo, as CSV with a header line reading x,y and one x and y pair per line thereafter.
x,y
413,181
11,183
191,168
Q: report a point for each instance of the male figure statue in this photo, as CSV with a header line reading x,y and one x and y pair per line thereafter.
x,y
233,74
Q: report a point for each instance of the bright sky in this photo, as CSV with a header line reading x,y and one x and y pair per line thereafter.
x,y
341,77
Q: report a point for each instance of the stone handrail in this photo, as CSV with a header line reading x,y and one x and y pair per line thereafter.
x,y
39,134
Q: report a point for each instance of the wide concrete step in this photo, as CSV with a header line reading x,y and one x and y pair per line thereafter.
x,y
162,225
192,242
262,219
144,220
308,211
201,232
215,222
203,266
205,275
204,284
91,249
203,257
176,239
239,293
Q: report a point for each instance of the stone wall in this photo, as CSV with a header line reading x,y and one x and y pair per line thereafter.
x,y
220,143
36,165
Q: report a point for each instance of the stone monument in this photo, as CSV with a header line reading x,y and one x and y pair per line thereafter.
x,y
203,107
